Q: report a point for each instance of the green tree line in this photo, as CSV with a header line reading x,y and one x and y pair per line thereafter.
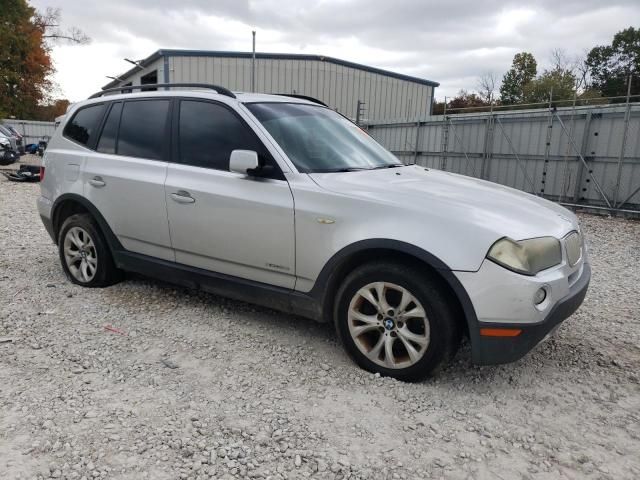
x,y
603,72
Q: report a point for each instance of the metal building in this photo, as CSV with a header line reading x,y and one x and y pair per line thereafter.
x,y
387,96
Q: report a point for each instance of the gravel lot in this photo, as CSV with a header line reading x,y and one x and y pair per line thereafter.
x,y
190,385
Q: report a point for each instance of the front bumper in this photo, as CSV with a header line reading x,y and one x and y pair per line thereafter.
x,y
490,350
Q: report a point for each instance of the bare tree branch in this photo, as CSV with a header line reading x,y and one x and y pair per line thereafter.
x,y
49,22
583,73
487,83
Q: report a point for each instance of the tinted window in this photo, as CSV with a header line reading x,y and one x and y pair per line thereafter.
x,y
210,132
84,125
143,129
107,142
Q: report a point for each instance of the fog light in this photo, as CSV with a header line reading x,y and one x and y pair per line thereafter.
x,y
540,296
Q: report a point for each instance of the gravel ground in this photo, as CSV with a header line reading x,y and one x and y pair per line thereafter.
x,y
145,380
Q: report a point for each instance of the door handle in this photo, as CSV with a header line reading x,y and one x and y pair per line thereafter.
x,y
97,182
182,196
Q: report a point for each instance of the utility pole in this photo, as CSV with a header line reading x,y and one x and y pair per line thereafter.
x,y
253,63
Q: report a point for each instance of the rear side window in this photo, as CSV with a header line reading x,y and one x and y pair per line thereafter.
x,y
143,129
83,127
209,132
107,142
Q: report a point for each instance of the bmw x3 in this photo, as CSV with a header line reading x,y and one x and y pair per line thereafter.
x,y
283,202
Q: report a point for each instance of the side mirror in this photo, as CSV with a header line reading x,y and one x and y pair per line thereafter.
x,y
241,161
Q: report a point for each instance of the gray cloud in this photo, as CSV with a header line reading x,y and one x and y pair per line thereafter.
x,y
451,42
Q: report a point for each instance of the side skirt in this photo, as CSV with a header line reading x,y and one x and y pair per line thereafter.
x,y
269,296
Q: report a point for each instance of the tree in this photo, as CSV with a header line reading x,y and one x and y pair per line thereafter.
x,y
558,81
611,65
49,22
465,99
583,74
487,86
48,113
462,100
25,56
25,64
523,70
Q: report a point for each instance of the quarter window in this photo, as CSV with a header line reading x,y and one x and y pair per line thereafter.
x,y
209,132
143,129
84,125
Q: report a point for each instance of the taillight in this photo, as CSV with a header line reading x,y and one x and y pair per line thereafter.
x,y
41,174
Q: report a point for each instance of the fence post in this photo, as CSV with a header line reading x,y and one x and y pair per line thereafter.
x,y
444,142
624,143
565,185
488,143
583,149
547,146
415,152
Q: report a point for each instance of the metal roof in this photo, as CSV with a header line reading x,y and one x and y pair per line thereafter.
x,y
270,56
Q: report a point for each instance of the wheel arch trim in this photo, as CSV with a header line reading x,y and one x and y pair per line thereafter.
x,y
327,284
110,237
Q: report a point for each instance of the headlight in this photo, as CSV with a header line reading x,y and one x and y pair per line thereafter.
x,y
527,257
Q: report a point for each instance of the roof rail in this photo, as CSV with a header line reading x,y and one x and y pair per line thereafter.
x,y
303,97
221,90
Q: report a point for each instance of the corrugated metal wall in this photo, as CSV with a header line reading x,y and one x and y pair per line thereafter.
x,y
32,130
532,151
387,99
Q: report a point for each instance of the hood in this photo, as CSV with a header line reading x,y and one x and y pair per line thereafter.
x,y
491,207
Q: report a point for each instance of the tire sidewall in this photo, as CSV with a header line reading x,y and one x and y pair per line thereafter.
x,y
104,255
439,316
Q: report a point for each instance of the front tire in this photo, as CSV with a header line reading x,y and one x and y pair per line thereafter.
x,y
395,320
84,254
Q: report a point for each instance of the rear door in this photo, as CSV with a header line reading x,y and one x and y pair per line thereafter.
x,y
124,177
220,220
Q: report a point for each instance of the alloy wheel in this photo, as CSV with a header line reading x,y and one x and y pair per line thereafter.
x,y
80,254
388,325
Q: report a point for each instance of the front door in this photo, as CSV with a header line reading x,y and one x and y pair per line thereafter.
x,y
222,221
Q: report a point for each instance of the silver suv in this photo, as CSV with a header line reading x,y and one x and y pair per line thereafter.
x,y
282,202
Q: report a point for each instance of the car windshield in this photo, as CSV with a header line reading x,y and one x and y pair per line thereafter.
x,y
317,139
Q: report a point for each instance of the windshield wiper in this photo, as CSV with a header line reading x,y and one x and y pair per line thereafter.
x,y
393,165
345,169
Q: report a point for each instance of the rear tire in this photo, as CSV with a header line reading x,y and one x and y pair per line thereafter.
x,y
84,253
408,333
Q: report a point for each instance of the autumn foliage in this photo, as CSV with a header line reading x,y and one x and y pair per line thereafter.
x,y
25,63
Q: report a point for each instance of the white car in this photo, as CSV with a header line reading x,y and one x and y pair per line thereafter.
x,y
281,201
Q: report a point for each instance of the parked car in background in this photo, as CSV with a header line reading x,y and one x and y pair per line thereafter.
x,y
7,154
16,139
21,139
283,202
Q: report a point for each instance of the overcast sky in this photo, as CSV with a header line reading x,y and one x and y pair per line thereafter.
x,y
451,42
